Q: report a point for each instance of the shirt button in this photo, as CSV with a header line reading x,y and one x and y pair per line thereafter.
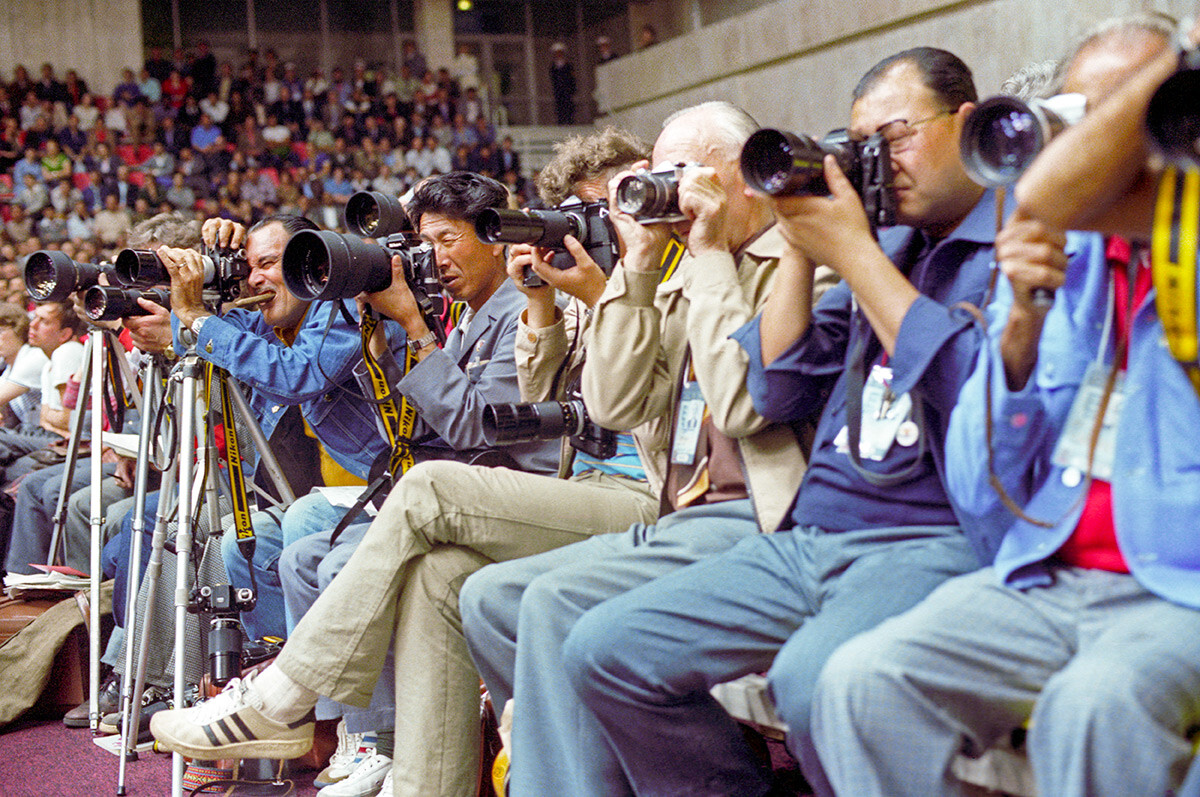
x,y
532,338
1018,420
275,408
1071,477
208,347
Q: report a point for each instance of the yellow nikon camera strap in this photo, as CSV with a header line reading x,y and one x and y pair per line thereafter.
x,y
671,257
1173,250
237,477
399,417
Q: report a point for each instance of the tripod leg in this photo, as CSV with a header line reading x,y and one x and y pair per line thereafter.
x,y
150,379
97,338
60,512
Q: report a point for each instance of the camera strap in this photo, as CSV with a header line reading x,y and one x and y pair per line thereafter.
x,y
1173,250
238,498
398,416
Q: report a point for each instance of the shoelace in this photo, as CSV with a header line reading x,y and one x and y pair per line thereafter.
x,y
348,749
234,696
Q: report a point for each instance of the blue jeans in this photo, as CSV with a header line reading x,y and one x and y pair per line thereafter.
x,y
644,662
517,615
33,517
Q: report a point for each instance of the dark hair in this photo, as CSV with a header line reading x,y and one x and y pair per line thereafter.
x,y
290,222
942,72
457,195
16,317
67,319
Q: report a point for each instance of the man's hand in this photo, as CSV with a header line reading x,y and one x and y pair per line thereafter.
x,y
584,280
703,200
1030,253
642,245
186,268
825,228
223,234
540,299
150,333
398,303
125,472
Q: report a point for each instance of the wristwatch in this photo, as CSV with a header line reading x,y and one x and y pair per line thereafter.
x,y
191,335
415,346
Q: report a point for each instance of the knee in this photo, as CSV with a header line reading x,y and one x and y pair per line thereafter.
x,y
1090,693
482,599
848,687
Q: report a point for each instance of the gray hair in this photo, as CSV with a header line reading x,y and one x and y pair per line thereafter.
x,y
730,125
1139,23
1032,81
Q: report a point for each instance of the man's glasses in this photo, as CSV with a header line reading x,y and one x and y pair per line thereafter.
x,y
899,133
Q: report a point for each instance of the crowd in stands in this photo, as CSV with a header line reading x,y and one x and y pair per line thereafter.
x,y
215,139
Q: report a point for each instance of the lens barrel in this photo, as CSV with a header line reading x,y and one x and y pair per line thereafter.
x,y
1003,135
140,267
322,266
529,422
375,215
780,163
545,228
106,303
53,276
649,195
1173,118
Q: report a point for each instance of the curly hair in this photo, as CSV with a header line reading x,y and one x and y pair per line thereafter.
x,y
171,229
586,157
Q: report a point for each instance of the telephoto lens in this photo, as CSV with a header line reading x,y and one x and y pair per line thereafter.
x,y
1003,135
1173,116
651,196
528,422
544,228
324,266
104,303
780,163
140,267
52,276
376,215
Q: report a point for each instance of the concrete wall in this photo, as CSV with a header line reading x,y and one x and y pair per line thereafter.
x,y
95,37
794,63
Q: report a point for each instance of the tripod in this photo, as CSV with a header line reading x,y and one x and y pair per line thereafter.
x,y
100,344
181,496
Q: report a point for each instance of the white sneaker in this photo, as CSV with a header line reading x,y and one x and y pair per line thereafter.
x,y
386,791
365,781
350,750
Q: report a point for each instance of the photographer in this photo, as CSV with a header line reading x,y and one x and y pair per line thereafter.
x,y
872,530
659,353
1087,628
283,354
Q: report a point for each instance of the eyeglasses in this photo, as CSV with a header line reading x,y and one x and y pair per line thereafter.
x,y
899,133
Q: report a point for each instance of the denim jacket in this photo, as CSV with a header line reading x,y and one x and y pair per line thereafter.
x,y
1156,473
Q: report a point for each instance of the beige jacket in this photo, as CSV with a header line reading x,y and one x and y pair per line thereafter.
x,y
636,348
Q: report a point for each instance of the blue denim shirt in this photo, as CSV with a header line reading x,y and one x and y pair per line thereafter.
x,y
315,372
1156,476
934,353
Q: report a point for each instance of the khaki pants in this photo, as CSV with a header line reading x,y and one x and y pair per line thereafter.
x,y
441,522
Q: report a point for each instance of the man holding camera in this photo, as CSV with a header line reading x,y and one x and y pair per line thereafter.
x,y
285,356
659,357
872,530
1087,628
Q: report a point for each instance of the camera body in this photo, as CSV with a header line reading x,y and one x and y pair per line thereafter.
x,y
780,163
504,424
224,270
652,196
1171,117
225,603
587,222
1003,135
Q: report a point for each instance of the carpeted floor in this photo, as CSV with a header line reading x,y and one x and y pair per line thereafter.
x,y
42,758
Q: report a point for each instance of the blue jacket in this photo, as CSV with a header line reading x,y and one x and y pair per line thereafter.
x,y
1156,476
934,353
316,372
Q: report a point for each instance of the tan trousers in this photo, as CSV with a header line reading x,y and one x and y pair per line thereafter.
x,y
441,522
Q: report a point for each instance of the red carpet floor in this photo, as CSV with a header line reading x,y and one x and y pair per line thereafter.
x,y
42,758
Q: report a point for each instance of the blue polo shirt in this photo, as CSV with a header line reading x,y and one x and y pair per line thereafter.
x,y
933,355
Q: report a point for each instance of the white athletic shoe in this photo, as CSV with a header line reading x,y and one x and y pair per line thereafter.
x,y
386,791
350,750
365,781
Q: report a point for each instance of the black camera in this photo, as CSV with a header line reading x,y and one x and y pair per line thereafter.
x,y
652,196
780,163
224,602
1173,117
587,222
224,270
504,424
53,276
1003,135
104,303
325,266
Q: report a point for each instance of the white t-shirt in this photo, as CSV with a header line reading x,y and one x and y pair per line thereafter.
x,y
26,371
64,362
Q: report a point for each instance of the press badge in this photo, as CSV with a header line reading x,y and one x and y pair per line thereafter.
x,y
1072,448
885,416
687,425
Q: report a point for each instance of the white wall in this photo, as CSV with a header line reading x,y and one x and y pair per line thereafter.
x,y
97,38
794,63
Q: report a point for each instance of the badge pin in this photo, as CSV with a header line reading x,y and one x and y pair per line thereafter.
x,y
1071,477
908,433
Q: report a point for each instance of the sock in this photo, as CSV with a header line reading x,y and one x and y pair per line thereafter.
x,y
284,700
385,743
